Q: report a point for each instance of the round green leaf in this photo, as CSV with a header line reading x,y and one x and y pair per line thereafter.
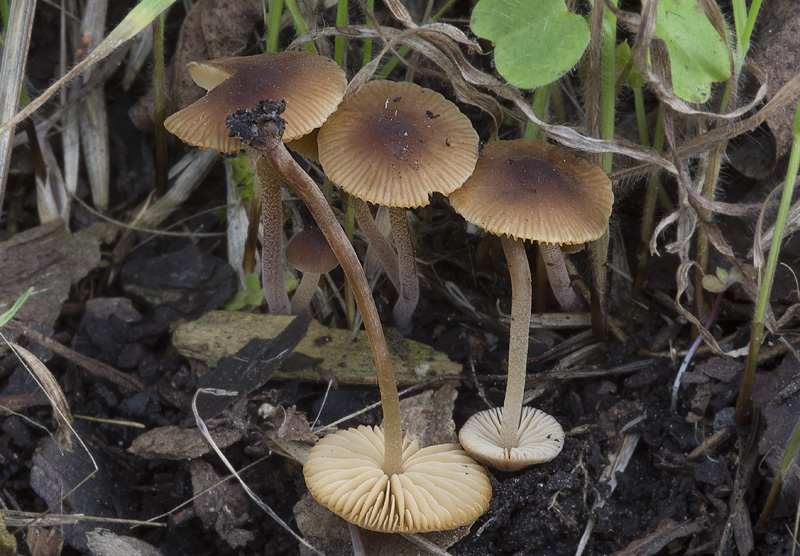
x,y
536,41
697,53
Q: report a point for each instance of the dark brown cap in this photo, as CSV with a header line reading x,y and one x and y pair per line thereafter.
x,y
396,143
536,191
311,85
309,251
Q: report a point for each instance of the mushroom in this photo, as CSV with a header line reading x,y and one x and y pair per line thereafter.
x,y
308,251
437,488
312,85
394,144
402,477
530,190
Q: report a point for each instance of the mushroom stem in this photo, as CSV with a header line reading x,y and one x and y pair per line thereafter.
x,y
409,283
305,292
377,240
272,245
262,128
558,276
520,271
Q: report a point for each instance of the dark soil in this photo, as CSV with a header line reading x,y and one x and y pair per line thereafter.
x,y
666,500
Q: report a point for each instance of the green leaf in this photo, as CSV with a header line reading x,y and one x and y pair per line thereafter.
x,y
8,315
252,282
536,41
713,284
622,56
697,53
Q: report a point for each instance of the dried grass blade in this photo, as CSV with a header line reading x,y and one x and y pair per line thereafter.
x,y
137,19
12,71
52,390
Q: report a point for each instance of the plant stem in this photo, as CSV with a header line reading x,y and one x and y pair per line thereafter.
x,y
274,25
777,484
159,106
766,277
338,41
653,187
711,317
300,25
540,97
368,41
598,250
519,332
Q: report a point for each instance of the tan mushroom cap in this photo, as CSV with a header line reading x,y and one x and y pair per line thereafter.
x,y
440,487
311,85
540,438
309,251
306,146
396,143
533,190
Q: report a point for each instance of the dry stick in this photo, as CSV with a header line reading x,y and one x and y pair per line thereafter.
x,y
93,366
272,246
520,271
409,283
266,137
378,242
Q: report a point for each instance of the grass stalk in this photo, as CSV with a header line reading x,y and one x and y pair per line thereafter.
x,y
766,275
776,489
159,105
300,25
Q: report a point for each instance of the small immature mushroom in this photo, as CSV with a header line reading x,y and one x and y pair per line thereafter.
x,y
310,253
312,86
528,190
400,478
394,144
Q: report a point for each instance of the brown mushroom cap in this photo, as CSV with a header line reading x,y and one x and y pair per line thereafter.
x,y
396,143
533,190
540,438
439,488
309,251
311,85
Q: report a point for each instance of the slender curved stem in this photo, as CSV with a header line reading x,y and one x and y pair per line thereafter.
x,y
283,163
383,248
272,247
520,271
409,283
558,276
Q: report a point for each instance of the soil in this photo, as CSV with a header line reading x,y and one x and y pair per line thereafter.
x,y
669,497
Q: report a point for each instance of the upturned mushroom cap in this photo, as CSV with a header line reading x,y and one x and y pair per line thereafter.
x,y
439,488
396,143
533,190
311,85
309,251
540,439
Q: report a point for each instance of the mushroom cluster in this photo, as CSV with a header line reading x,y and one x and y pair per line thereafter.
x,y
394,144
415,489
